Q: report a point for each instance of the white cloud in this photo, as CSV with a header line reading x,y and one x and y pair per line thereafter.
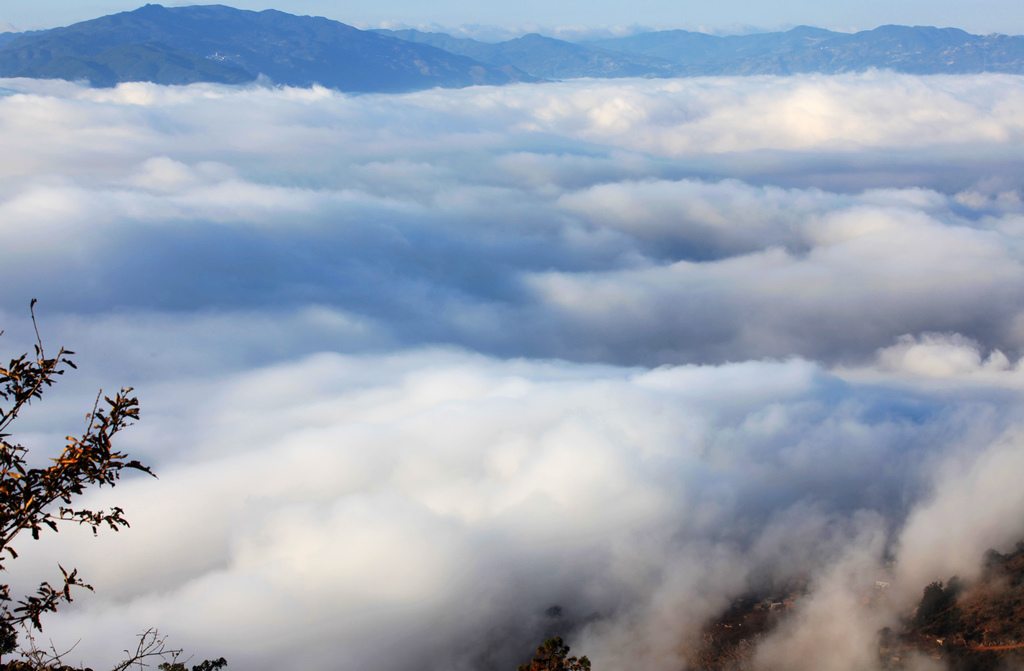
x,y
416,368
491,206
831,629
340,501
938,355
871,268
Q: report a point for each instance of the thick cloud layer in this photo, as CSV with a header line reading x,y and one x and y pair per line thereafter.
x,y
338,503
416,369
596,213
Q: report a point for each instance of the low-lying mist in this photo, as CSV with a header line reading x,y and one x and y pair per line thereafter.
x,y
427,378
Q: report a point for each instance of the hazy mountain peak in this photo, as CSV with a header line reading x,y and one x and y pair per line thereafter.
x,y
222,44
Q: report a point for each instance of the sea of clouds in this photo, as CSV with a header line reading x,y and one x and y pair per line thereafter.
x,y
415,369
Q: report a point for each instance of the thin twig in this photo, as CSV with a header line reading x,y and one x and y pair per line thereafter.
x,y
32,311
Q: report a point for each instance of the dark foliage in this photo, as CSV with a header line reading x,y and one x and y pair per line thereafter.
x,y
552,655
38,499
938,613
208,665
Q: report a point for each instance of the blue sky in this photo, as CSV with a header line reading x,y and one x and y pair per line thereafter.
x,y
730,15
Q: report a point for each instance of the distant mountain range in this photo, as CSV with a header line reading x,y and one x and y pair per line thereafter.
x,y
214,43
547,57
679,53
916,50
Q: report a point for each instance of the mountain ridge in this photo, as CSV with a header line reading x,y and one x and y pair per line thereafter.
x,y
226,45
544,57
217,43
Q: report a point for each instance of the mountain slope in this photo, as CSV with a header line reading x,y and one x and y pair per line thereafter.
x,y
9,37
216,43
975,627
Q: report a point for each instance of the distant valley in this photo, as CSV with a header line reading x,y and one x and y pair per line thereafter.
x,y
215,43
